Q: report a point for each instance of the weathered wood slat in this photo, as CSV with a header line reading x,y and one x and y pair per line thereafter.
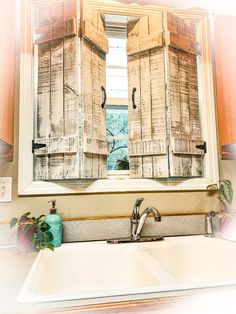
x,y
135,127
144,43
71,105
56,21
148,147
186,146
157,76
43,107
181,34
56,167
71,91
96,108
89,32
87,104
103,171
180,42
57,145
146,112
96,146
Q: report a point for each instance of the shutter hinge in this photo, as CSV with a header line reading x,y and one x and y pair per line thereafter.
x,y
203,147
37,146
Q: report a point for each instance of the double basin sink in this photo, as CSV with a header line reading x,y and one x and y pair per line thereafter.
x,y
97,269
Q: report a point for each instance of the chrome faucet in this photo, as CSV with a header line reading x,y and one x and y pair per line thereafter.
x,y
209,226
137,220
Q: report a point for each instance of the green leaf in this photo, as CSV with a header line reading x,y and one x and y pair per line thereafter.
x,y
13,222
44,226
27,228
212,187
48,236
39,219
226,191
33,241
49,246
27,214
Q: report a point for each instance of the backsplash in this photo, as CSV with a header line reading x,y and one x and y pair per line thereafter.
x,y
108,228
102,229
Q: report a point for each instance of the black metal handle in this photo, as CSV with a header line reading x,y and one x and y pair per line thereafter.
x,y
104,97
37,146
133,97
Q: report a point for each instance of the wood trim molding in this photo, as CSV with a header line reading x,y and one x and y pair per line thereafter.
x,y
113,7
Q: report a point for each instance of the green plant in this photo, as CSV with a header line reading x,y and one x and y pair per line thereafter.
x,y
223,190
36,228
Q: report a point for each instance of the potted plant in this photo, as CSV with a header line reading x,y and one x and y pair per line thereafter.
x,y
32,233
224,192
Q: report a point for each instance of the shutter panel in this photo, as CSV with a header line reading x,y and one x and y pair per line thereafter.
x,y
57,106
147,104
183,109
94,47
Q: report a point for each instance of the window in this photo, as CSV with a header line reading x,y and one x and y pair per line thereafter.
x,y
117,102
83,152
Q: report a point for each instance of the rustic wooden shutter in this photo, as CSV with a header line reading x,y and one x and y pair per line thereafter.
x,y
147,105
94,47
183,108
57,105
70,120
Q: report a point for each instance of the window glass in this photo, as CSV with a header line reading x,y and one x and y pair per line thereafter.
x,y
117,52
117,82
117,133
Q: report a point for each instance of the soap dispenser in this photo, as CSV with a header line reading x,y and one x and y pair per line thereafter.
x,y
55,223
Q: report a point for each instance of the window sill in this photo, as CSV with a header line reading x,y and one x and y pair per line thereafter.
x,y
113,185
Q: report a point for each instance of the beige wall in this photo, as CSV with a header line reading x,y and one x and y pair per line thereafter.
x,y
98,205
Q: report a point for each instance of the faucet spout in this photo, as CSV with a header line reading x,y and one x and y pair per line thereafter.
x,y
149,210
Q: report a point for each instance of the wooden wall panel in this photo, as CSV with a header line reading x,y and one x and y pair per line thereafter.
x,y
225,69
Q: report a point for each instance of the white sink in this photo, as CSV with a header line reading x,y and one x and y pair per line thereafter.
x,y
97,269
87,270
197,259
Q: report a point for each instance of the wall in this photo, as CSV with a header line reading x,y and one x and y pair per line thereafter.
x,y
228,171
95,205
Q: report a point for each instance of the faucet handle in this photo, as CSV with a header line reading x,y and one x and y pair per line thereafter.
x,y
209,225
139,201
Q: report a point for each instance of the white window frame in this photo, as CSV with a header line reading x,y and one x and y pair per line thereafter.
x,y
26,184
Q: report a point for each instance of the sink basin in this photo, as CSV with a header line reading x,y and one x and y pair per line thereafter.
x,y
87,270
198,259
97,269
